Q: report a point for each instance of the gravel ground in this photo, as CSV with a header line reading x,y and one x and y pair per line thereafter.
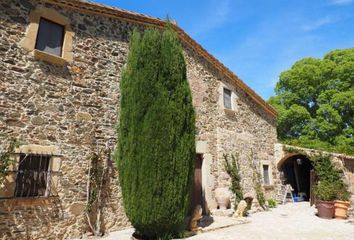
x,y
293,221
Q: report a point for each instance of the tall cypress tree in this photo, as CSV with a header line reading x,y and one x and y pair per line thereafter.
x,y
156,133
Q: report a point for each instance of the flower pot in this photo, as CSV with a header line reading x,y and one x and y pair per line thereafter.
x,y
325,209
341,209
222,196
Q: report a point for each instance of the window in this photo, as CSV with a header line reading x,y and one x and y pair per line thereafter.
x,y
34,172
50,37
33,176
227,98
266,175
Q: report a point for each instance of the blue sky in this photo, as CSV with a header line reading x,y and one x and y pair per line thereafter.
x,y
258,39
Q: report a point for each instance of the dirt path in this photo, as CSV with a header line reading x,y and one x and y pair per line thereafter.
x,y
290,222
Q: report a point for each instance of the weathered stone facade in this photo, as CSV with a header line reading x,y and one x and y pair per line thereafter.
x,y
74,108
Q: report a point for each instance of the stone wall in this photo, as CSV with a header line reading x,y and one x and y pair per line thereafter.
x,y
245,129
74,108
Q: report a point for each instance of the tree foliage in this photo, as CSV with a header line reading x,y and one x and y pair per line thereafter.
x,y
5,159
315,102
156,134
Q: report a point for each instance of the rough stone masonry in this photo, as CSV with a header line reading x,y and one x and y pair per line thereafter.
x,y
73,107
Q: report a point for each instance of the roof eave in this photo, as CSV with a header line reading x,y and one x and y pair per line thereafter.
x,y
93,8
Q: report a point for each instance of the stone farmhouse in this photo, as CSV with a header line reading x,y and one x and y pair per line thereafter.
x,y
60,66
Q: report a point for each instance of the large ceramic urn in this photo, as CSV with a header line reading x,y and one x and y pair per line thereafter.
x,y
222,196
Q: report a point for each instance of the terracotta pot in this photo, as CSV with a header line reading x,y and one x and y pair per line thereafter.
x,y
341,209
222,196
325,209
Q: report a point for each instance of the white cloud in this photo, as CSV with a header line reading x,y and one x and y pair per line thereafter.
x,y
341,2
318,23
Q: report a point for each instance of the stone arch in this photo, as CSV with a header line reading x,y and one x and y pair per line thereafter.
x,y
285,158
296,170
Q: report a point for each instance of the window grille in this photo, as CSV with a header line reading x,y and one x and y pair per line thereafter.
x,y
32,175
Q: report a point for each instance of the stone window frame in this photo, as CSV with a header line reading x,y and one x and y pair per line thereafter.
x,y
233,97
270,172
226,91
29,41
8,190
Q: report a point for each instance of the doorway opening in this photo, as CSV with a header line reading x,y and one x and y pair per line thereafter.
x,y
297,172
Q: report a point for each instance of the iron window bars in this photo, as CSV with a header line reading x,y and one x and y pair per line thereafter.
x,y
34,177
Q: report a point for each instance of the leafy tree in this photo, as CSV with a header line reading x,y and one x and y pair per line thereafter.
x,y
156,134
315,102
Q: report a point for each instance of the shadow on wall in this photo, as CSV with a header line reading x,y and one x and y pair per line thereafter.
x,y
30,218
96,217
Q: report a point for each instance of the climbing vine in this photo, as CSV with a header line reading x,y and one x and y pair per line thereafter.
x,y
290,149
232,168
98,177
5,159
256,178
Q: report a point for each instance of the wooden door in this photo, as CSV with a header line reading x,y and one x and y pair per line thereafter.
x,y
197,196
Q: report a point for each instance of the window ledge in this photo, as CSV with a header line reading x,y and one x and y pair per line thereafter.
x,y
268,187
229,111
27,201
44,56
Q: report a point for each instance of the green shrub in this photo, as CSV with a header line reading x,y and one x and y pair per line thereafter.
x,y
156,134
325,169
272,203
342,192
326,190
330,180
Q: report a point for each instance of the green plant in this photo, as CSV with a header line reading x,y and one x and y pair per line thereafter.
x,y
291,149
326,190
342,192
5,159
156,134
256,178
232,168
325,169
272,203
330,179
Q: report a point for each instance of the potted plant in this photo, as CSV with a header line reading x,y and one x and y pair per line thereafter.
x,y
341,204
326,193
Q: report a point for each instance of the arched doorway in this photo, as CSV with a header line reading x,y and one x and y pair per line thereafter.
x,y
296,171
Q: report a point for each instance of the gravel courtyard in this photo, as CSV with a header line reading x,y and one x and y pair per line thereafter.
x,y
291,221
